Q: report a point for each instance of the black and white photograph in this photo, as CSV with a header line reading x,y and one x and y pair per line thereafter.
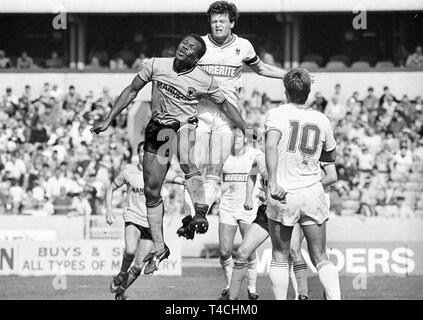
x,y
181,150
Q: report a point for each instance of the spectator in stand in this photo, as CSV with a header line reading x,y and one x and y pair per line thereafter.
x,y
336,108
402,162
101,56
127,56
4,61
9,102
71,98
25,61
319,102
39,133
266,56
368,198
118,64
386,97
415,60
62,203
370,105
139,61
354,105
94,64
55,61
81,205
105,100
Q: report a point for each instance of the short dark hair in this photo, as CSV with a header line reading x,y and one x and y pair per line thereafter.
x,y
139,146
203,49
297,83
222,7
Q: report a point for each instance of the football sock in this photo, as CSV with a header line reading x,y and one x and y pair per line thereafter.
x,y
132,276
329,278
300,270
252,274
155,213
292,277
227,266
238,274
126,263
279,277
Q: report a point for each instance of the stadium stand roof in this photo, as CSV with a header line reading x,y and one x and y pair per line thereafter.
x,y
180,6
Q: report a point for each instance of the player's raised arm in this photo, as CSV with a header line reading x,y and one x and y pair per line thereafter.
x,y
267,70
125,98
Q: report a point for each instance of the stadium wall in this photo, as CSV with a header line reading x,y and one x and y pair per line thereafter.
x,y
400,82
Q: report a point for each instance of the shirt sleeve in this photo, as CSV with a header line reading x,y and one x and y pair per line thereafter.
x,y
146,70
271,122
214,92
330,142
251,58
120,180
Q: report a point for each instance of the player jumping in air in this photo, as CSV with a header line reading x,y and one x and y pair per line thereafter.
x,y
138,242
259,232
178,83
225,58
238,208
296,138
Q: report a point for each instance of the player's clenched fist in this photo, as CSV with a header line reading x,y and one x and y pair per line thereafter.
x,y
100,126
277,192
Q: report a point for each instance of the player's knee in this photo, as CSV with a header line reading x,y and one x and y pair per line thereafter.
x,y
280,255
152,194
318,255
225,254
243,254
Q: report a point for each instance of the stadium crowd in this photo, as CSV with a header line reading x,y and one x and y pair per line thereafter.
x,y
127,58
51,164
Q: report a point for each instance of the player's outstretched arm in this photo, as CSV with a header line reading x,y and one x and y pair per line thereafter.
x,y
267,70
125,98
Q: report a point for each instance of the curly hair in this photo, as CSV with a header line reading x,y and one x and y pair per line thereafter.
x,y
222,7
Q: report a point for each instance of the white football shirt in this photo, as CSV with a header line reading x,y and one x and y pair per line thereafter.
x,y
305,133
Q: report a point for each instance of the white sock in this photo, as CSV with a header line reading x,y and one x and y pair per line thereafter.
x,y
252,274
228,266
279,277
292,277
211,188
329,278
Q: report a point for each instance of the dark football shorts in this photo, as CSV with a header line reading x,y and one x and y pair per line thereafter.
x,y
160,138
145,232
261,218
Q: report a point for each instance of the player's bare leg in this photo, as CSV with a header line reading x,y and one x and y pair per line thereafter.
x,y
252,264
253,238
144,248
132,234
194,181
226,244
279,268
155,170
221,144
328,275
299,264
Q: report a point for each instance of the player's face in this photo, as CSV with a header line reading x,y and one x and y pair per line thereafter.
x,y
239,142
187,50
220,26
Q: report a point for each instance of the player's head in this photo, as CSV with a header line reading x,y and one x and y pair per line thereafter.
x,y
222,16
239,142
191,49
140,152
297,86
